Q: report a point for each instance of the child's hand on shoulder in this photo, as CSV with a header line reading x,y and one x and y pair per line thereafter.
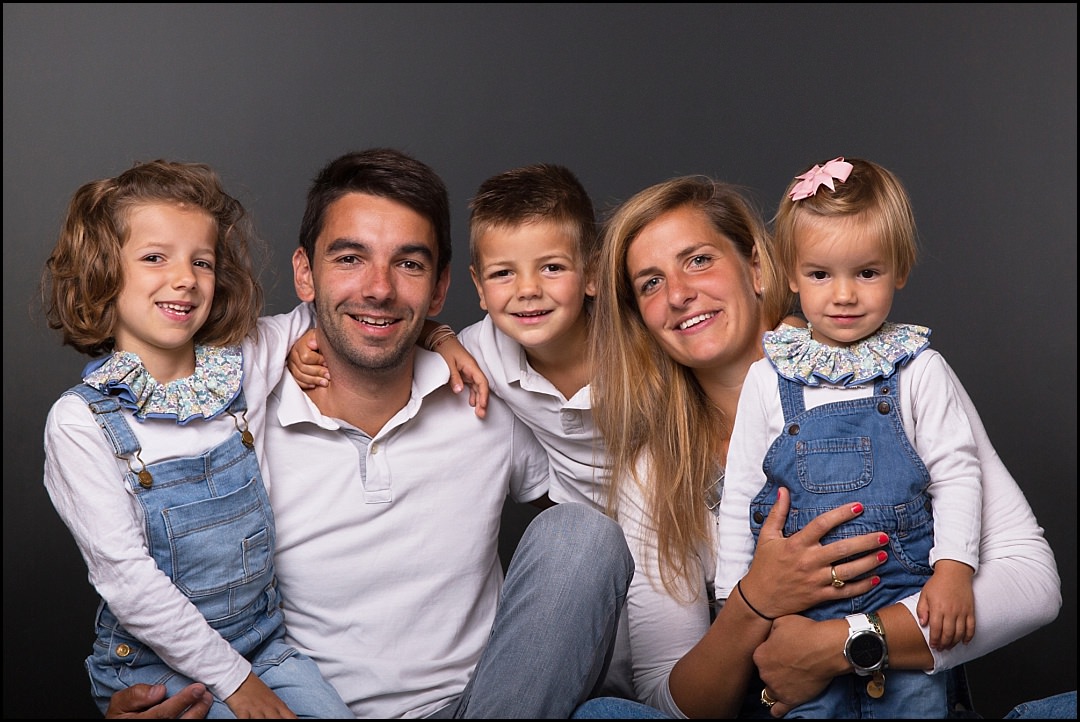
x,y
306,364
464,371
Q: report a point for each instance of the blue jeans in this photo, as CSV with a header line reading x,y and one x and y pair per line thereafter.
x,y
555,625
293,677
617,708
1058,706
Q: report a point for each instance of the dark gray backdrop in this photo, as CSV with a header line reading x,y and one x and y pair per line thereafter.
x,y
974,106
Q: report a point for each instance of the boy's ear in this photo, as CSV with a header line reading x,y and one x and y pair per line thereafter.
x,y
479,286
302,280
901,281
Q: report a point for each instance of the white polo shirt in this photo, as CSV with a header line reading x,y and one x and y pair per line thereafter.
x,y
564,427
387,547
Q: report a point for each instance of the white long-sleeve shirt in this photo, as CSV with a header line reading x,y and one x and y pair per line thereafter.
x,y
1017,589
86,484
934,422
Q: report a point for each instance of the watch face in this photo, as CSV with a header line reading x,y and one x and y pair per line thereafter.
x,y
866,650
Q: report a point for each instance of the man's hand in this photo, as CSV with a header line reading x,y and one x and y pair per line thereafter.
x,y
145,701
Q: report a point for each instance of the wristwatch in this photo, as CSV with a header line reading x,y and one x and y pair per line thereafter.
x,y
866,649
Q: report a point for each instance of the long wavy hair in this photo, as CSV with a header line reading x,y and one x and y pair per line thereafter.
x,y
649,407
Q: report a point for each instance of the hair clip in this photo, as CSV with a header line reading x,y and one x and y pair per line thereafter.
x,y
835,169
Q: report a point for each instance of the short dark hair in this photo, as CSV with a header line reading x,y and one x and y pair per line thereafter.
x,y
387,173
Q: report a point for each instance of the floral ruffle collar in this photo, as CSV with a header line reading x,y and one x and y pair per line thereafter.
x,y
203,395
798,357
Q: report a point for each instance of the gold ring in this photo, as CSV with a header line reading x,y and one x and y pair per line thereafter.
x,y
836,581
766,699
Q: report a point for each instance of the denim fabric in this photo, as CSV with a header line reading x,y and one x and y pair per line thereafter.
x,y
907,696
826,457
210,528
555,625
617,708
1058,706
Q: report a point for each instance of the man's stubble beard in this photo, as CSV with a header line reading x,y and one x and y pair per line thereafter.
x,y
365,357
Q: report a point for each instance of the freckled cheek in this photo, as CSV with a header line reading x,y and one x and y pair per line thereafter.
x,y
650,314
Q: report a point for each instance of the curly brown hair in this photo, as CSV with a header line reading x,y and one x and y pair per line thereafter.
x,y
82,277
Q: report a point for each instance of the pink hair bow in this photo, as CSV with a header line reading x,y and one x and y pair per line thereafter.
x,y
820,175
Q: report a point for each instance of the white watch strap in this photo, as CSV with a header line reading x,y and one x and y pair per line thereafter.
x,y
859,623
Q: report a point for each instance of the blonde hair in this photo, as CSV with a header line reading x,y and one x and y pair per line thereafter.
x,y
872,195
646,405
82,277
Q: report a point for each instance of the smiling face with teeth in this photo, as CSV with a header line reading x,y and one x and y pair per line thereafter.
x,y
696,293
531,279
374,281
167,291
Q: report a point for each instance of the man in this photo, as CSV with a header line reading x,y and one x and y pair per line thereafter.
x,y
388,490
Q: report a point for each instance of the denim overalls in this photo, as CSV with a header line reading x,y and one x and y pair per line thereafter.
x,y
210,528
828,456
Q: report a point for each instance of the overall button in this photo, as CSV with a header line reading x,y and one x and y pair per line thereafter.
x,y
122,650
758,517
793,429
884,407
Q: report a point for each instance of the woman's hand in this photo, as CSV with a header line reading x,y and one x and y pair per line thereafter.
x,y
791,574
799,659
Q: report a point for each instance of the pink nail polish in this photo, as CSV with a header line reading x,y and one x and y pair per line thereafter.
x,y
874,581
883,539
882,556
856,509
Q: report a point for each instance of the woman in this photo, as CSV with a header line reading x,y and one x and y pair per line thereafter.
x,y
686,289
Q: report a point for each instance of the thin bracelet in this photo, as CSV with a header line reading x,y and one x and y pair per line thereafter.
x,y
441,328
438,342
438,334
738,585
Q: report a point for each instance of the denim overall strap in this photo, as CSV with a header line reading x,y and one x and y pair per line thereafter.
x,y
847,451
842,452
208,526
791,398
110,417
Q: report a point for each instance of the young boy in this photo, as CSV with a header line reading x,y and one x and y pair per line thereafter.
x,y
533,243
